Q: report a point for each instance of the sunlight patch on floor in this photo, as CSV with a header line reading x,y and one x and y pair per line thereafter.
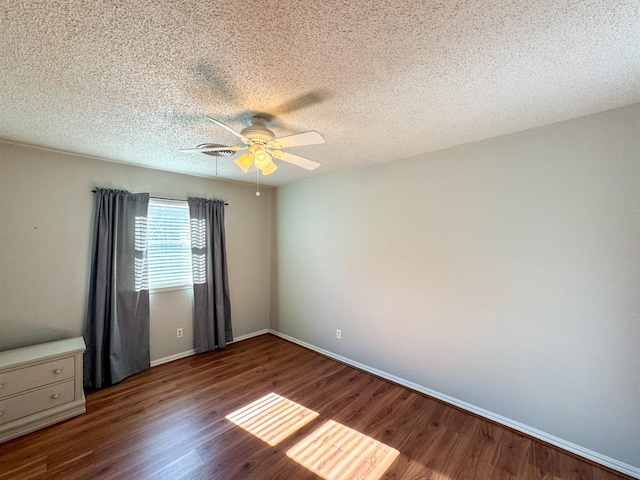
x,y
337,452
272,418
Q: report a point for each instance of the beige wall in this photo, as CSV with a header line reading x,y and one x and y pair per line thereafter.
x,y
504,273
46,214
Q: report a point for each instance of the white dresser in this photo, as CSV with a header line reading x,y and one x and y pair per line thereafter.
x,y
40,385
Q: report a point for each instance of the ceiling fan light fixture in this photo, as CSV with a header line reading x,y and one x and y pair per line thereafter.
x,y
261,158
269,169
244,162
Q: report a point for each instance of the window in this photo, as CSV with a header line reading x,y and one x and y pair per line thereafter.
x,y
169,247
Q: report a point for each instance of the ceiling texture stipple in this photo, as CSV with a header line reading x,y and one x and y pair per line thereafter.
x,y
132,81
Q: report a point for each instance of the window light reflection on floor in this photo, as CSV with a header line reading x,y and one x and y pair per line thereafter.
x,y
272,418
335,452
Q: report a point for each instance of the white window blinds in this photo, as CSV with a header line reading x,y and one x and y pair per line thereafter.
x,y
169,249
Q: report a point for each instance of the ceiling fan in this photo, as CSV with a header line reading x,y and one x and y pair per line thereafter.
x,y
261,146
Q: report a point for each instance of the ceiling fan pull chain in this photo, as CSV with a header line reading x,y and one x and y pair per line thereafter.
x,y
257,182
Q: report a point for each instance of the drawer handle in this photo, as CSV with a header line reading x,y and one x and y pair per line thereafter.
x,y
55,395
57,370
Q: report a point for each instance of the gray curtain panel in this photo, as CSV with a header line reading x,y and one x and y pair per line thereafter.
x,y
212,305
117,323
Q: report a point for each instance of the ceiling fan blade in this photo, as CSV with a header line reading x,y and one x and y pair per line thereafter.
x,y
211,149
295,160
299,139
228,129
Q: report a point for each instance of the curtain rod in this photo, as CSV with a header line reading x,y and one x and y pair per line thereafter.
x,y
164,198
174,199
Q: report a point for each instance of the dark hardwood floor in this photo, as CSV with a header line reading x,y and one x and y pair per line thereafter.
x,y
169,423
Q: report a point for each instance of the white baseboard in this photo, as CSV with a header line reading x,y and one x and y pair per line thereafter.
x,y
171,358
533,432
250,335
188,353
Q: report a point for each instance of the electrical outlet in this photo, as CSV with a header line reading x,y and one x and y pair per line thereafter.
x,y
179,333
339,334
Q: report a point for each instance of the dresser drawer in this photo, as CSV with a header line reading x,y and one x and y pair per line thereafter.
x,y
16,381
36,401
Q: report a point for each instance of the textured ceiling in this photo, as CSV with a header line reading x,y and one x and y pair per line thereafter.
x,y
131,81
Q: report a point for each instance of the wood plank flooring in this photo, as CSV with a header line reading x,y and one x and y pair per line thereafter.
x,y
169,423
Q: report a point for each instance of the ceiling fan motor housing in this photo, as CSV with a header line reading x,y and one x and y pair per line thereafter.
x,y
258,132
